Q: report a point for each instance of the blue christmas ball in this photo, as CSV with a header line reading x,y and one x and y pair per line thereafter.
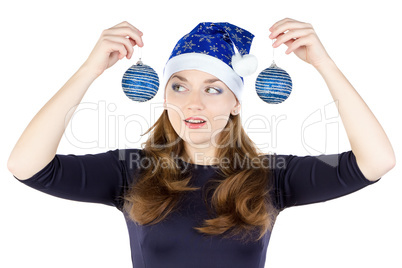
x,y
273,85
140,82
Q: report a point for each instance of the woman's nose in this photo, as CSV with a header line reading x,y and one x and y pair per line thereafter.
x,y
195,100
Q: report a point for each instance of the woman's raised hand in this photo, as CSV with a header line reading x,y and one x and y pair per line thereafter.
x,y
112,46
38,144
301,39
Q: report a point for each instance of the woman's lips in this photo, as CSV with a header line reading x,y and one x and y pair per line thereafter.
x,y
194,125
195,118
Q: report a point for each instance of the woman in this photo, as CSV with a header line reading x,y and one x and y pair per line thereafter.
x,y
200,194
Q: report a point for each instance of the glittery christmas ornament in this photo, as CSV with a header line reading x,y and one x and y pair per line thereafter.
x,y
140,82
273,84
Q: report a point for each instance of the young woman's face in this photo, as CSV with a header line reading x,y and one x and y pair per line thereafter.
x,y
193,93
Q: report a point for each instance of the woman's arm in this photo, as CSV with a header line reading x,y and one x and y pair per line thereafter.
x,y
369,143
38,143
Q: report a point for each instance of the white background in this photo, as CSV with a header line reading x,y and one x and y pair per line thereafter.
x,y
43,43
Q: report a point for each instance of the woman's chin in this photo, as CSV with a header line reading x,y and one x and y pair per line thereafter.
x,y
196,140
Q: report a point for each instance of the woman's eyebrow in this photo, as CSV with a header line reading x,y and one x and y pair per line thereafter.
x,y
180,77
205,82
208,81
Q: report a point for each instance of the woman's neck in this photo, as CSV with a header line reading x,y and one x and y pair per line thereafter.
x,y
200,156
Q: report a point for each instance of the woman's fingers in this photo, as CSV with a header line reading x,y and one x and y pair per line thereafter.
x,y
114,43
291,35
301,39
286,25
125,44
127,24
126,31
295,44
126,34
280,22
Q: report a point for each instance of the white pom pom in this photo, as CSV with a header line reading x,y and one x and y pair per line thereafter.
x,y
244,65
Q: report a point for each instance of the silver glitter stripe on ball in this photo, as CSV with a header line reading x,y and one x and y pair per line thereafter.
x,y
131,74
275,75
131,85
275,83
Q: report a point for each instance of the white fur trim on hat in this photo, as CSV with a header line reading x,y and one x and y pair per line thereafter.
x,y
205,63
244,65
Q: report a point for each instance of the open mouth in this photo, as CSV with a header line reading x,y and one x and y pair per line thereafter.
x,y
195,121
192,122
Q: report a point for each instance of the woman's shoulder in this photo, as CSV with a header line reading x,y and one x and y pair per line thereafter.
x,y
128,156
275,160
127,153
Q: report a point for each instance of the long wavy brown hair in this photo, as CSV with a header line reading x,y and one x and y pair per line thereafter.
x,y
240,206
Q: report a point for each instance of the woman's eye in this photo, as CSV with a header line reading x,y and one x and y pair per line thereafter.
x,y
180,88
177,87
214,90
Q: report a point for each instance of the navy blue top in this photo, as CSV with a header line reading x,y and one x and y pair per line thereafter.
x,y
104,178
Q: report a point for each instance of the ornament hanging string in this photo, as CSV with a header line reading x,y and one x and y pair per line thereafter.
x,y
140,53
273,84
140,82
273,52
140,56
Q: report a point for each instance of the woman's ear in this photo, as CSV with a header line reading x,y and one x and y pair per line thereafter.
x,y
236,109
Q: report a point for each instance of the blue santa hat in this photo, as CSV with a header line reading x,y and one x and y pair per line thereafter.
x,y
209,48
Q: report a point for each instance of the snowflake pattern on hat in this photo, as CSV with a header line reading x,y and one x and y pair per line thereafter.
x,y
216,40
210,47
